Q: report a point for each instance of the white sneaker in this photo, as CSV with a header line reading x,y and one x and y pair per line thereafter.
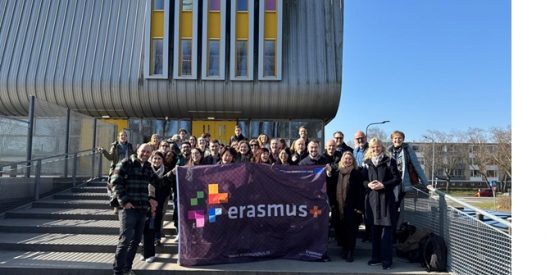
x,y
177,238
150,259
142,258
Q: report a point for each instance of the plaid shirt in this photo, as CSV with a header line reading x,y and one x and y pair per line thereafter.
x,y
130,181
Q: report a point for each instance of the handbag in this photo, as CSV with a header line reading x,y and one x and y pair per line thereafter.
x,y
412,174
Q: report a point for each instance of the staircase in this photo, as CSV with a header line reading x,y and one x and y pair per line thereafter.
x,y
76,232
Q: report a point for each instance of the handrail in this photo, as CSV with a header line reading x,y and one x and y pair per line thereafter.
x,y
467,205
44,158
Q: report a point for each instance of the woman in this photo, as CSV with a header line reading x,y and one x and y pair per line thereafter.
x,y
196,158
152,224
245,153
263,156
254,146
263,141
405,157
284,157
229,155
119,150
193,141
154,142
382,176
346,198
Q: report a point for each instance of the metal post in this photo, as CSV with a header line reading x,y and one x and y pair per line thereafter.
x,y
93,146
37,180
100,166
30,133
374,123
442,215
66,171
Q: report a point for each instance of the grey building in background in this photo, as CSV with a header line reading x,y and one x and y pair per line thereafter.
x,y
158,65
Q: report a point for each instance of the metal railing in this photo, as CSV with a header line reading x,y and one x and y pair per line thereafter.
x,y
71,167
474,246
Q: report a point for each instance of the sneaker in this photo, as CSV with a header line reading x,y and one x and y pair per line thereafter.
x,y
373,262
150,259
386,266
177,238
142,258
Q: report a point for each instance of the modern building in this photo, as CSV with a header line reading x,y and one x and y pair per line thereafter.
x,y
154,66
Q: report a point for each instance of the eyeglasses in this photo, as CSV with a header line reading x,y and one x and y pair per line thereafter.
x,y
359,138
338,137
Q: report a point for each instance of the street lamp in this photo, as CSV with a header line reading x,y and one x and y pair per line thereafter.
x,y
374,123
433,156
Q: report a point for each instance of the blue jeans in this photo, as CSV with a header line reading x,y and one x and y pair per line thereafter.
x,y
382,243
132,224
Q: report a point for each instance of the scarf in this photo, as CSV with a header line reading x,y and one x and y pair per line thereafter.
x,y
159,171
377,159
342,188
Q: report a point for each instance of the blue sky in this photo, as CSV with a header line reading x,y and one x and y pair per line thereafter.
x,y
425,65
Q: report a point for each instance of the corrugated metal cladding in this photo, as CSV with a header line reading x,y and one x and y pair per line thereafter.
x,y
88,55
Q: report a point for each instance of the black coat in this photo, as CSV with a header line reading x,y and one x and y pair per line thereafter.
x,y
354,196
380,204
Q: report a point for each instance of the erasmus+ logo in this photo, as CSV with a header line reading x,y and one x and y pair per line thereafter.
x,y
242,211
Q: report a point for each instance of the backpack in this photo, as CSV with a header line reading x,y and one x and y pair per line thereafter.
x,y
405,230
411,249
435,253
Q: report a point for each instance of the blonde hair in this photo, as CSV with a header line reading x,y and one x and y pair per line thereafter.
x,y
369,153
341,162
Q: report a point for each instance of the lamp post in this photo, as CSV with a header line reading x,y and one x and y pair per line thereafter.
x,y
433,156
374,123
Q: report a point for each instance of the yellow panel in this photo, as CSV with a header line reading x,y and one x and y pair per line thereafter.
x,y
157,24
214,25
86,135
270,25
220,130
186,24
242,25
120,123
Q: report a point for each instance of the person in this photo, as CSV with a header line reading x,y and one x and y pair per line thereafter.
x,y
302,133
229,155
214,156
182,134
284,157
331,154
164,146
120,149
154,142
238,135
274,148
405,157
193,142
381,176
346,200
262,156
360,141
185,155
254,146
245,152
263,141
299,151
131,179
314,157
341,146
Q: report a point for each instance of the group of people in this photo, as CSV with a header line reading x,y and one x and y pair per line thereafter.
x,y
365,184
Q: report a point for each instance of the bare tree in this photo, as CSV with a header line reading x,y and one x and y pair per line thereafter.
x,y
503,153
450,155
481,156
377,133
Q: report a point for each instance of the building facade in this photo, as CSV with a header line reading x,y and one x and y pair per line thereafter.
x,y
154,66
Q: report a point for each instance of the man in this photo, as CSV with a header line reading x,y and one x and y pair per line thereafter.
x,y
341,146
185,155
302,133
238,135
182,134
314,157
361,146
131,180
331,154
274,149
214,156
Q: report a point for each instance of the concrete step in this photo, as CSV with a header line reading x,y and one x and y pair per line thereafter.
x,y
69,213
89,189
66,226
96,183
54,242
82,196
86,204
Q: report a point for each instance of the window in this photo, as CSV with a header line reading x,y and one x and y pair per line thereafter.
x,y
186,57
491,173
187,5
269,58
242,5
213,58
270,5
158,5
157,57
214,5
242,58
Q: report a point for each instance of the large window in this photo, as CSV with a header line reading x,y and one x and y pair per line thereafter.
x,y
213,58
157,57
186,56
158,5
269,58
242,58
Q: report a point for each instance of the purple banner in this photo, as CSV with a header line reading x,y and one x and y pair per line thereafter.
x,y
245,212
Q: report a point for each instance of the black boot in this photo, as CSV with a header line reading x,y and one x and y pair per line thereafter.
x,y
349,257
344,254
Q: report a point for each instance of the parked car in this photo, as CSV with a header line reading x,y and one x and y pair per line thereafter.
x,y
487,192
